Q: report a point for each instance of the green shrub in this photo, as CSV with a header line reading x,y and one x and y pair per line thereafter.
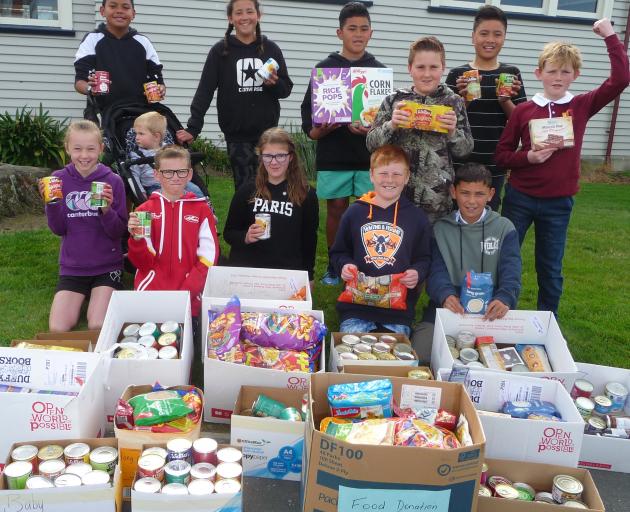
x,y
213,156
305,148
34,139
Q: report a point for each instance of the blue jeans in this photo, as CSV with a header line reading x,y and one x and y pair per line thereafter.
x,y
551,223
357,325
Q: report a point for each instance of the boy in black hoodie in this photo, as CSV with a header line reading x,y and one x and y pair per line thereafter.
x,y
128,57
383,233
342,159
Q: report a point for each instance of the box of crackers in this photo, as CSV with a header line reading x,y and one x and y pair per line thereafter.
x,y
552,132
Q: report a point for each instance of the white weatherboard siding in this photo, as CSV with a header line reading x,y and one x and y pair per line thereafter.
x,y
34,68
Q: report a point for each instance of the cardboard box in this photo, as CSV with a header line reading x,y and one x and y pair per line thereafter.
x,y
35,416
82,345
605,453
139,307
341,476
272,448
547,442
91,335
551,132
337,363
385,371
130,441
532,327
540,477
370,86
225,379
425,117
95,498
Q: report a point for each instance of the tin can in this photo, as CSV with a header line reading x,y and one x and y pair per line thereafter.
x,y
129,339
422,374
175,488
473,85
526,491
229,454
79,469
143,229
603,405
49,452
350,340
566,488
450,341
387,356
229,471
349,356
405,356
484,474
493,481
170,326
76,452
152,92
148,342
290,414
468,355
264,221
484,491
179,449
96,477
368,339
152,353
167,353
454,352
200,487
131,330
380,348
203,471
52,468
576,504
584,406
595,425
227,486
268,69
52,188
464,339
104,458
149,329
28,453
38,482
177,472
204,449
544,497
583,388
367,356
506,491
147,485
362,348
151,465
265,406
617,393
504,85
102,82
17,473
343,349
155,450
168,339
96,198
67,480
389,339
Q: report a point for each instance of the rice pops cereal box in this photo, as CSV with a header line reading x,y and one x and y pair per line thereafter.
x,y
424,117
370,86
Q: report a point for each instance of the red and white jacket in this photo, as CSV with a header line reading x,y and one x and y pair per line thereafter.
x,y
182,246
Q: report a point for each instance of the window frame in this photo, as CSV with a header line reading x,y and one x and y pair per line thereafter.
x,y
549,8
64,21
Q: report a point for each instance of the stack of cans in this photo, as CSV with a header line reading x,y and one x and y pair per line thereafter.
x,y
604,413
369,347
148,341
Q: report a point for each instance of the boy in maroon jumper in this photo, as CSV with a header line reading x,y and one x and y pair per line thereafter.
x,y
543,182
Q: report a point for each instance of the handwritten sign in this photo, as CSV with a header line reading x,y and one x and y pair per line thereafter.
x,y
392,500
99,498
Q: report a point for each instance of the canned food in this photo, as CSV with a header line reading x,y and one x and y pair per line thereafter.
x,y
131,330
290,414
389,339
264,221
350,339
544,497
156,450
229,470
526,491
581,387
148,342
76,452
367,356
468,355
104,458
17,473
179,449
506,491
380,348
167,353
268,68
473,85
493,481
96,198
78,468
151,465
595,425
229,454
102,82
617,393
385,356
504,84
450,341
405,356
575,504
454,352
421,374
402,348
368,339
38,482
203,471
67,480
566,488
584,406
143,229
52,188
152,353
362,348
464,339
147,485
265,406
168,339
96,477
152,92
52,468
175,488
127,353
484,474
200,487
177,472
343,349
484,491
204,449
50,452
603,405
349,356
227,486
129,339
170,326
28,453
148,329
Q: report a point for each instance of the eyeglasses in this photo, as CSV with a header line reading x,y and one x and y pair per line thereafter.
x,y
279,157
169,173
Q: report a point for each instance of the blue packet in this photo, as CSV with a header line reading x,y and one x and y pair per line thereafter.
x,y
477,289
523,408
371,399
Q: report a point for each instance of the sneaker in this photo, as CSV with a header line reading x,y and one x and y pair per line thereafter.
x,y
330,279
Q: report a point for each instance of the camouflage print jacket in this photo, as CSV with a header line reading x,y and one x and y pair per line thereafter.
x,y
431,153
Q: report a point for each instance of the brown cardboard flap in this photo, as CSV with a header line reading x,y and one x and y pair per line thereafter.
x,y
91,335
382,370
248,394
84,344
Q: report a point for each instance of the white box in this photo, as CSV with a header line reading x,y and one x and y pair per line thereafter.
x,y
139,307
606,453
336,362
547,442
222,381
37,416
272,448
531,327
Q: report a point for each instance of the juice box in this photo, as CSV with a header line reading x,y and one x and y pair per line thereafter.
x,y
504,84
473,87
424,117
370,86
551,132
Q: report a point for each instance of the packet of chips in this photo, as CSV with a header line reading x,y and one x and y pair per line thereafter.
x,y
224,331
381,292
275,359
285,331
158,407
419,433
35,346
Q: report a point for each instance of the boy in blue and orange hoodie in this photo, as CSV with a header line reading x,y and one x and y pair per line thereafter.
x,y
383,233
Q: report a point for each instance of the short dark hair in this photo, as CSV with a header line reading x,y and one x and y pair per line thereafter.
x,y
427,44
489,12
352,9
105,1
472,172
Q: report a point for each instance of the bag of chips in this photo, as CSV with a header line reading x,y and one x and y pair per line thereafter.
x,y
477,289
369,399
381,292
158,407
420,433
275,359
372,431
285,331
224,331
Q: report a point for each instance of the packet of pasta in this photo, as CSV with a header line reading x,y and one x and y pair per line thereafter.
x,y
381,292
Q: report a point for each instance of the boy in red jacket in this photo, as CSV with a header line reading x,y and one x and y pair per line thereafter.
x,y
183,242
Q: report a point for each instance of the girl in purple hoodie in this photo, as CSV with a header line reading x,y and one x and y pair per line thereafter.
x,y
90,258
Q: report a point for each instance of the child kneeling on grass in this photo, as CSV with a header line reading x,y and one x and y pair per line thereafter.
x,y
380,234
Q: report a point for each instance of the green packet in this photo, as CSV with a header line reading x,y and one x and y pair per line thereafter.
x,y
158,407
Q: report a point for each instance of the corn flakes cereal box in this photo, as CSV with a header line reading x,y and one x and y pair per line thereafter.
x,y
552,132
370,86
424,117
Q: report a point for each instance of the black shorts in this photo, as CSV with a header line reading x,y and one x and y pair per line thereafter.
x,y
84,284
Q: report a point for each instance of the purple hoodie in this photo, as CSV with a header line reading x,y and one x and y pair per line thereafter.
x,y
91,241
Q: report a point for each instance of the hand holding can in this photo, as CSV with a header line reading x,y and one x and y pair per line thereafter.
x,y
99,198
264,221
100,81
152,92
50,188
139,224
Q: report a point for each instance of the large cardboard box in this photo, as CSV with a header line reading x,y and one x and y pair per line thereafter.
x,y
337,363
33,416
598,452
341,476
130,441
95,498
272,448
222,381
133,306
540,477
547,442
532,327
385,371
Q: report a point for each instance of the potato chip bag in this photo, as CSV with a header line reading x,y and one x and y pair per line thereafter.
x,y
224,332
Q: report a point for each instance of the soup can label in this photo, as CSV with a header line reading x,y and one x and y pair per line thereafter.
x,y
504,84
268,69
102,82
152,92
473,86
52,189
96,199
104,458
264,221
17,473
143,230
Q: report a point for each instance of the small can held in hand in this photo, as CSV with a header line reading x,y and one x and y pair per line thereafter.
x,y
264,221
96,199
504,85
102,82
152,92
52,189
268,69
143,230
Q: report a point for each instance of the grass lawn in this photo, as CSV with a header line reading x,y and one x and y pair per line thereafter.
x,y
594,312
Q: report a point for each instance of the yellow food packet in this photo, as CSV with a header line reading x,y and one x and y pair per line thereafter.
x,y
35,346
424,117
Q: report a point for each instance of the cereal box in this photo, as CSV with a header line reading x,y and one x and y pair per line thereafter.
x,y
369,87
424,117
552,132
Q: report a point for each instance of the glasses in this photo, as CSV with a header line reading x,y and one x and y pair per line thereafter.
x,y
169,173
279,157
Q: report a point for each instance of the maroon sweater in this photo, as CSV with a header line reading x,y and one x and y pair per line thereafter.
x,y
558,176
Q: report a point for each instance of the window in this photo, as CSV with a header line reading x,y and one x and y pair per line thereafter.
x,y
590,9
36,13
